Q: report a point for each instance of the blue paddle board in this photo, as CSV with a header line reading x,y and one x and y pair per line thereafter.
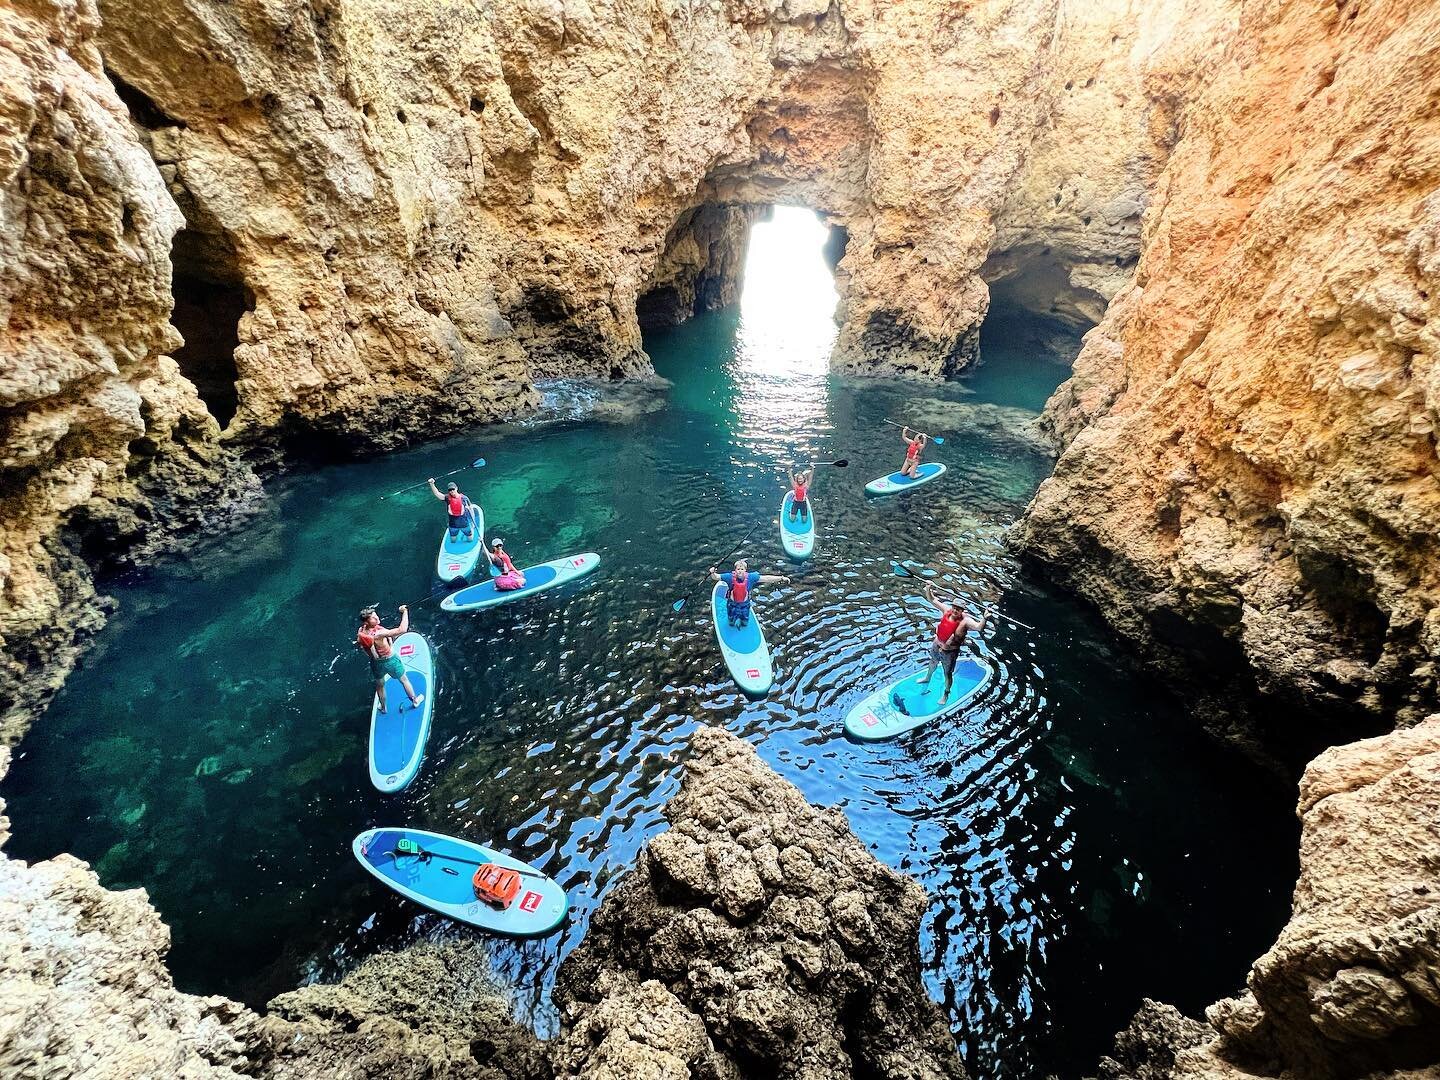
x,y
907,703
797,537
457,558
897,482
537,580
439,878
746,654
398,734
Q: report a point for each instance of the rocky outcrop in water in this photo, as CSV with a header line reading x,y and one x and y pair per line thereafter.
x,y
1352,986
1249,483
757,936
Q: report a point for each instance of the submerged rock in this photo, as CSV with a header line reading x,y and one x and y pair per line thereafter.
x,y
757,936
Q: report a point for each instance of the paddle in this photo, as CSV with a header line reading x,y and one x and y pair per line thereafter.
x,y
679,604
904,571
478,463
938,440
841,464
421,853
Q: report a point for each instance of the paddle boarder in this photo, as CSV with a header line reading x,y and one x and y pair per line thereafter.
x,y
954,624
800,484
375,641
915,442
738,585
509,578
457,505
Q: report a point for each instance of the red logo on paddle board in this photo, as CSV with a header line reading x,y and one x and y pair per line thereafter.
x,y
530,902
753,672
869,719
577,562
452,567
407,650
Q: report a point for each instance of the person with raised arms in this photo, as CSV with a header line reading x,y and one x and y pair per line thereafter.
x,y
509,578
457,505
915,442
374,640
950,633
800,485
738,586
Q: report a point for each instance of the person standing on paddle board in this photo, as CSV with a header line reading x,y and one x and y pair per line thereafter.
x,y
955,623
738,586
509,578
458,507
800,484
374,641
912,455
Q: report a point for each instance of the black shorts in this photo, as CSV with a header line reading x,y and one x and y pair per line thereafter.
x,y
945,658
461,521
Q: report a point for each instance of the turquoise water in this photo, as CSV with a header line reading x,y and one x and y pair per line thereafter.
x,y
1082,848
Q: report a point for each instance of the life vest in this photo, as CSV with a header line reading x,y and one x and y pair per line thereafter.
x,y
800,492
505,563
372,645
739,588
457,504
914,450
496,884
949,624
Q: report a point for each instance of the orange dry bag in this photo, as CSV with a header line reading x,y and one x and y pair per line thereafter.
x,y
496,884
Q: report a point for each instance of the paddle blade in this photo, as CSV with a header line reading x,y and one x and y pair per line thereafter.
x,y
938,440
678,604
478,463
900,570
842,463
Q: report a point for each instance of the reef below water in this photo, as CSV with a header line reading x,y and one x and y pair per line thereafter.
x,y
1081,845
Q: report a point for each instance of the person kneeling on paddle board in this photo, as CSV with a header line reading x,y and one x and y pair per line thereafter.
x,y
800,483
374,640
737,590
509,578
458,507
949,636
912,455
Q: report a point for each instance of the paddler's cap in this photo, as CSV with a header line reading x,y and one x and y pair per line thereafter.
x,y
497,542
452,486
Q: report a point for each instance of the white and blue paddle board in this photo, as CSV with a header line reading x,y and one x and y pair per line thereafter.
x,y
537,580
797,537
907,703
398,734
898,482
746,654
457,558
439,878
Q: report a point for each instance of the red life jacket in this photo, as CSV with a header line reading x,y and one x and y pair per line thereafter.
x,y
914,450
457,504
371,645
800,492
505,563
739,587
947,628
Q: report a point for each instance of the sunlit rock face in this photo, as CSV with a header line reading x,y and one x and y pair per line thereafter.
x,y
1250,476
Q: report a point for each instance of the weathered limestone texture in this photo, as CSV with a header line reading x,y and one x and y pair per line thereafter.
x,y
1352,986
702,268
1250,475
757,936
97,429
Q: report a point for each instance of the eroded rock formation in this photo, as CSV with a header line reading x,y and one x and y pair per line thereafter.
x,y
761,937
1249,483
1352,986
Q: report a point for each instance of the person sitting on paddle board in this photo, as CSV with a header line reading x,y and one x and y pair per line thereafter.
x,y
737,590
912,455
955,623
800,483
374,640
509,578
458,507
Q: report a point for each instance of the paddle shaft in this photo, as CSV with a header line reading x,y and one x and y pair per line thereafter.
x,y
936,439
423,854
906,572
477,463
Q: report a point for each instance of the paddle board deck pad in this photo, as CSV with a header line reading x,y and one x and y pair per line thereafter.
x,y
906,704
440,878
397,735
537,579
458,557
746,654
797,537
897,482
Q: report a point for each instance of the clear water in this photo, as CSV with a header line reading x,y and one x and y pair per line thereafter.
x,y
1081,847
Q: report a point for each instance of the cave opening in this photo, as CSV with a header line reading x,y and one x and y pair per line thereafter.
x,y
210,300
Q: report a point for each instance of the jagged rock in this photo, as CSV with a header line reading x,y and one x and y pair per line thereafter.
x,y
757,935
1248,486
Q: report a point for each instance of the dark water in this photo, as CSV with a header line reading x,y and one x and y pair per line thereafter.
x,y
1081,847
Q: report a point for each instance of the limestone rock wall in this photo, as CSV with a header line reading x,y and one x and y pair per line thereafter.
x,y
1352,986
96,428
1249,480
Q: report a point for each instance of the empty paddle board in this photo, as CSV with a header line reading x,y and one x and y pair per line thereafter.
x,y
398,734
906,704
